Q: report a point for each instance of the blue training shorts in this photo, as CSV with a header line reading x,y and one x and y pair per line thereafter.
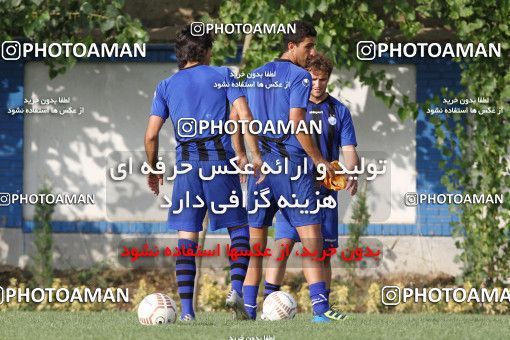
x,y
216,191
329,228
281,184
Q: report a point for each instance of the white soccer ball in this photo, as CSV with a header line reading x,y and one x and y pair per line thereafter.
x,y
279,306
157,308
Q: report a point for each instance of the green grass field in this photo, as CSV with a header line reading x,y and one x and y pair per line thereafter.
x,y
124,325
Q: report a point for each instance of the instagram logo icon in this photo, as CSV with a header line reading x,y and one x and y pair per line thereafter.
x,y
366,50
390,295
197,28
11,50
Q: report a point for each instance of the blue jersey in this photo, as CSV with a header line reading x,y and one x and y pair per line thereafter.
x,y
337,126
189,96
337,130
272,90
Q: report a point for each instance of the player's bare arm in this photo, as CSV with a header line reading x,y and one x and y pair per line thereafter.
x,y
238,146
351,160
243,111
151,149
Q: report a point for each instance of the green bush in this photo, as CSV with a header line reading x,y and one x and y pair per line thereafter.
x,y
43,240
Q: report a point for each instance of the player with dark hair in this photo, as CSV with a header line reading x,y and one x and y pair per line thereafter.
x,y
193,48
339,133
286,104
301,42
189,95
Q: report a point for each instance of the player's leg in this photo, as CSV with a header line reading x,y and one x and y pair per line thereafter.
x,y
308,225
239,241
327,267
259,219
333,313
258,238
327,275
285,237
330,235
276,265
327,271
185,271
218,193
188,222
311,238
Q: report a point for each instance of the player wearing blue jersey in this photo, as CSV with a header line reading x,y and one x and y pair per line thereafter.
x,y
187,97
338,132
281,93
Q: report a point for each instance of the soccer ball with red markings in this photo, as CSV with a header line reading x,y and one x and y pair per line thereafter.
x,y
156,309
279,306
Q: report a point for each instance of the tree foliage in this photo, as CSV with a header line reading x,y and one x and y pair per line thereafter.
x,y
72,21
359,219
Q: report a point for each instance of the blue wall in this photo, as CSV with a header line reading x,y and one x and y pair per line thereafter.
x,y
11,139
432,220
431,76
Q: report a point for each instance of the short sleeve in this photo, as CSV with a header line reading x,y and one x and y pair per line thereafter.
x,y
347,133
300,91
233,92
159,106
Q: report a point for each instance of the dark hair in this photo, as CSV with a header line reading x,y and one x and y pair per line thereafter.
x,y
189,47
320,62
303,29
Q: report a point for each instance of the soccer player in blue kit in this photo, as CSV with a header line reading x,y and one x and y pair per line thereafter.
x,y
286,103
338,133
190,96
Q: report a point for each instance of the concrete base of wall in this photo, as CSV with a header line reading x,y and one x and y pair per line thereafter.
x,y
401,254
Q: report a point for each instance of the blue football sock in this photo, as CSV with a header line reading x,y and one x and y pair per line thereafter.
x,y
318,293
250,300
185,270
240,240
269,288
